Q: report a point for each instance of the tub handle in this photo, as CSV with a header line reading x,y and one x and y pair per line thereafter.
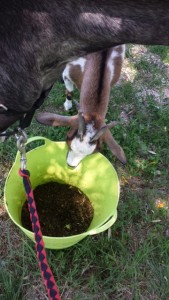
x,y
36,138
105,226
32,139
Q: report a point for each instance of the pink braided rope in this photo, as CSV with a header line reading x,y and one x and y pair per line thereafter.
x,y
49,281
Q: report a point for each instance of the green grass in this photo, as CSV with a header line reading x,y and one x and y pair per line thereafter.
x,y
133,264
161,51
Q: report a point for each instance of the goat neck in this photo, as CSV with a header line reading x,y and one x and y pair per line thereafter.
x,y
95,88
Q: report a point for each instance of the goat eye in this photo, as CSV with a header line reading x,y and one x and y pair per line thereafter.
x,y
80,136
93,142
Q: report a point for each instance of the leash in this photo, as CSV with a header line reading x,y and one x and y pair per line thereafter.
x,y
48,278
21,137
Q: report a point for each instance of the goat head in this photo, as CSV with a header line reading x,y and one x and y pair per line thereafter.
x,y
82,138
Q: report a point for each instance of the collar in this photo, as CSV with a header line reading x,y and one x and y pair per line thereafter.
x,y
26,118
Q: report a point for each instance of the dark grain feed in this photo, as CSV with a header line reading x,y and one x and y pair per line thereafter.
x,y
63,210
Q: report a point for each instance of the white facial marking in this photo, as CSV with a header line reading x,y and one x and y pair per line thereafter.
x,y
80,150
67,104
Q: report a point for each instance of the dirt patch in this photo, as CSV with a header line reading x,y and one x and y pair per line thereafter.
x,y
63,210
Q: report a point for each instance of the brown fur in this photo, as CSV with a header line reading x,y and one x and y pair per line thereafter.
x,y
96,82
93,104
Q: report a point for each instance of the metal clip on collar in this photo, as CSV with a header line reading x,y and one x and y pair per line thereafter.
x,y
21,139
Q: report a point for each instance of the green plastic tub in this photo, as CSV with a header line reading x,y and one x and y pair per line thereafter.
x,y
95,176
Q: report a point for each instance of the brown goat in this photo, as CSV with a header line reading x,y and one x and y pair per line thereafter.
x,y
94,75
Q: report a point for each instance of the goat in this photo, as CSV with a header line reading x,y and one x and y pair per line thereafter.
x,y
98,72
38,38
74,71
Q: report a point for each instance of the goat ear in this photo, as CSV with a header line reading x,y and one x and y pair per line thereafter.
x,y
56,120
114,147
102,130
